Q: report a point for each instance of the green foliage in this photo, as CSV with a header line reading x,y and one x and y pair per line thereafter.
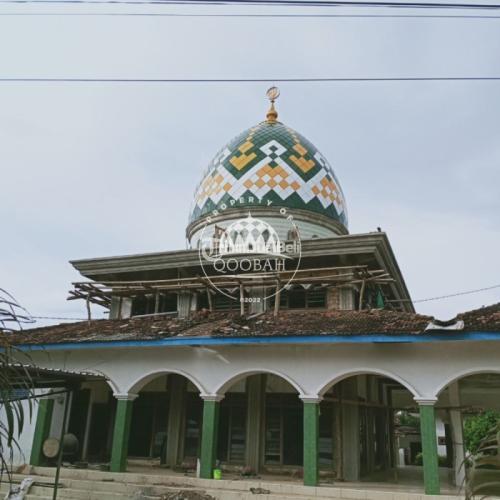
x,y
409,420
483,464
419,460
478,427
13,377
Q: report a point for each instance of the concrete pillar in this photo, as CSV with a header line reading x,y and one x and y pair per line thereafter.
x,y
193,303
88,424
114,310
183,304
429,445
209,433
350,431
258,294
42,429
311,440
332,299
255,411
121,307
457,434
121,433
176,408
346,298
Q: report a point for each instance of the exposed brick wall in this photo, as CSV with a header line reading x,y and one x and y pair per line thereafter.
x,y
333,299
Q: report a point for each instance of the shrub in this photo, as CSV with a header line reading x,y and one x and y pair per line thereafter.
x,y
477,428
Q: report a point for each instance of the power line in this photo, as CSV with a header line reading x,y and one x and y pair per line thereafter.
x,y
468,292
288,3
292,3
60,318
301,16
251,80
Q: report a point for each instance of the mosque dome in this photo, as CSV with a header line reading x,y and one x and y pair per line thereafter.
x,y
267,168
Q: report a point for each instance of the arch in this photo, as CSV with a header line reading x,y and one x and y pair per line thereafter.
x,y
145,378
109,381
463,374
221,390
366,371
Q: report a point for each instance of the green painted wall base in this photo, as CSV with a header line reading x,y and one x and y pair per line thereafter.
x,y
42,429
121,435
429,449
209,438
311,433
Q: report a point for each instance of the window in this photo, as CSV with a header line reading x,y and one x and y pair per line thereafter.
x,y
143,304
273,453
167,302
299,298
194,417
284,430
154,303
232,429
202,301
223,303
326,423
316,298
149,424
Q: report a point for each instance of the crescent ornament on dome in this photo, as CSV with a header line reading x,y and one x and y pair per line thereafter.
x,y
272,94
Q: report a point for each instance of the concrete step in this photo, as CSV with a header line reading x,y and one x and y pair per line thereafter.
x,y
145,493
92,490
87,484
85,489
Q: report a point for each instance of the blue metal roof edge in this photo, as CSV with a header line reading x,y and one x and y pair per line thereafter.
x,y
306,339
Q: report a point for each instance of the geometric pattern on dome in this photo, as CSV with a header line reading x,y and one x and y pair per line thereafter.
x,y
249,235
270,163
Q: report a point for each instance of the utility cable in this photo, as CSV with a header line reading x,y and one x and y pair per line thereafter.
x,y
272,3
249,80
249,16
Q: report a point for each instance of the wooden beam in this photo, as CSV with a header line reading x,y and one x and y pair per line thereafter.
x,y
242,297
210,300
361,295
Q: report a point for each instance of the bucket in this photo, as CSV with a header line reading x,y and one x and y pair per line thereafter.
x,y
217,474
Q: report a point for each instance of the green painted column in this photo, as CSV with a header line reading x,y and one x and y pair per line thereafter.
x,y
121,433
42,429
209,436
429,446
311,441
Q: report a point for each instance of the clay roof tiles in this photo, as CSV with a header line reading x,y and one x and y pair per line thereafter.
x,y
225,324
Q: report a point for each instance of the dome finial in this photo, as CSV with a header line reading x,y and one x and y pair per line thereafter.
x,y
272,94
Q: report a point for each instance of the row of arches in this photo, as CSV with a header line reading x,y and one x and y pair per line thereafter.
x,y
361,431
221,389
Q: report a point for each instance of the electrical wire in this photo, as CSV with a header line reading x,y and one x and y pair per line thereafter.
x,y
249,80
468,292
60,318
288,3
289,16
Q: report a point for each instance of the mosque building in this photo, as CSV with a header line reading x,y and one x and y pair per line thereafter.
x,y
277,343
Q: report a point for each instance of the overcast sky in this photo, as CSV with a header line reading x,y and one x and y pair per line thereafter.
x,y
92,170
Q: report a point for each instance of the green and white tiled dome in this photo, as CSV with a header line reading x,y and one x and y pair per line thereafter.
x,y
270,165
